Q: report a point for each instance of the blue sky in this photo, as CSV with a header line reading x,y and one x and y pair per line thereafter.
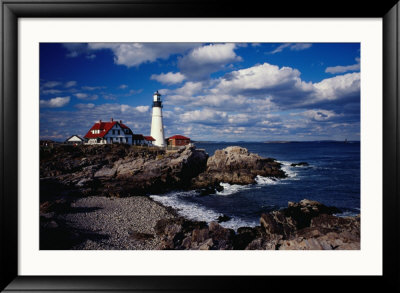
x,y
210,91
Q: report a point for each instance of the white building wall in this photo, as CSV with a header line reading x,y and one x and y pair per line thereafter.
x,y
114,137
74,139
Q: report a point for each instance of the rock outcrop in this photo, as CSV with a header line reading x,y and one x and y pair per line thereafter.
x,y
236,165
118,170
122,170
307,225
300,164
310,225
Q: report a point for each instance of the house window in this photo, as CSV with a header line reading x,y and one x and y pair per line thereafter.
x,y
118,132
113,131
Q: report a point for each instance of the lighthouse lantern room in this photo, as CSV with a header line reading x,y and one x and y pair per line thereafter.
x,y
157,126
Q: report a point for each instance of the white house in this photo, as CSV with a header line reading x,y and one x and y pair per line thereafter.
x,y
109,132
74,139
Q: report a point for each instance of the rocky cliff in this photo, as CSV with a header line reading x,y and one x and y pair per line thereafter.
x,y
118,170
307,225
122,170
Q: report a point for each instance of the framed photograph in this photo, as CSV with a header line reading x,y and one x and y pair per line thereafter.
x,y
184,146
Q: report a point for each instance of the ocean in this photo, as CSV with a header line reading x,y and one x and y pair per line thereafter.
x,y
332,178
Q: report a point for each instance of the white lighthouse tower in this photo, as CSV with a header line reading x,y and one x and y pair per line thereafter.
x,y
157,126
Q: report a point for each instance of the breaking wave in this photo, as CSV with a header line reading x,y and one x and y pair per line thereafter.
x,y
267,180
289,170
231,188
196,212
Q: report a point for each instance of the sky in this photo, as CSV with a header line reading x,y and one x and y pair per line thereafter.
x,y
210,91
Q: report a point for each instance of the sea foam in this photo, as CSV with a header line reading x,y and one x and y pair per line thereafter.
x,y
186,209
289,170
231,188
196,212
266,180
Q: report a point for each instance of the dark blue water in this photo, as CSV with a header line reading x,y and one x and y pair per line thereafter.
x,y
332,178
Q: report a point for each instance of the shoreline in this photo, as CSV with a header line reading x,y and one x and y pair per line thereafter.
x,y
99,198
106,223
141,223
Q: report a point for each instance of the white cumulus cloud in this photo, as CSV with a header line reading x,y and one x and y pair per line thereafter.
x,y
134,54
71,83
205,116
168,78
338,87
342,69
55,102
92,88
293,47
202,61
84,96
51,84
142,109
85,106
283,84
51,92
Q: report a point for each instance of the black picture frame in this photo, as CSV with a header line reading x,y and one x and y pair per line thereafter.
x,y
13,9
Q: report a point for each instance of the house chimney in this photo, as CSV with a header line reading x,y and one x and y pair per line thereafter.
x,y
120,121
112,119
100,120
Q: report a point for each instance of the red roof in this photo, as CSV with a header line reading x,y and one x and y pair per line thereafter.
x,y
149,138
104,128
181,137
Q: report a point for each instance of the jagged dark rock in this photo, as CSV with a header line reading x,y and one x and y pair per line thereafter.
x,y
303,211
221,236
118,170
223,218
277,223
277,231
244,236
122,170
236,165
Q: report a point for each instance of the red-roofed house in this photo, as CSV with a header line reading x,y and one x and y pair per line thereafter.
x,y
178,140
149,140
109,132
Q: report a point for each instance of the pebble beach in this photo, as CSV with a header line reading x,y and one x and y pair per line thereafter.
x,y
120,223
